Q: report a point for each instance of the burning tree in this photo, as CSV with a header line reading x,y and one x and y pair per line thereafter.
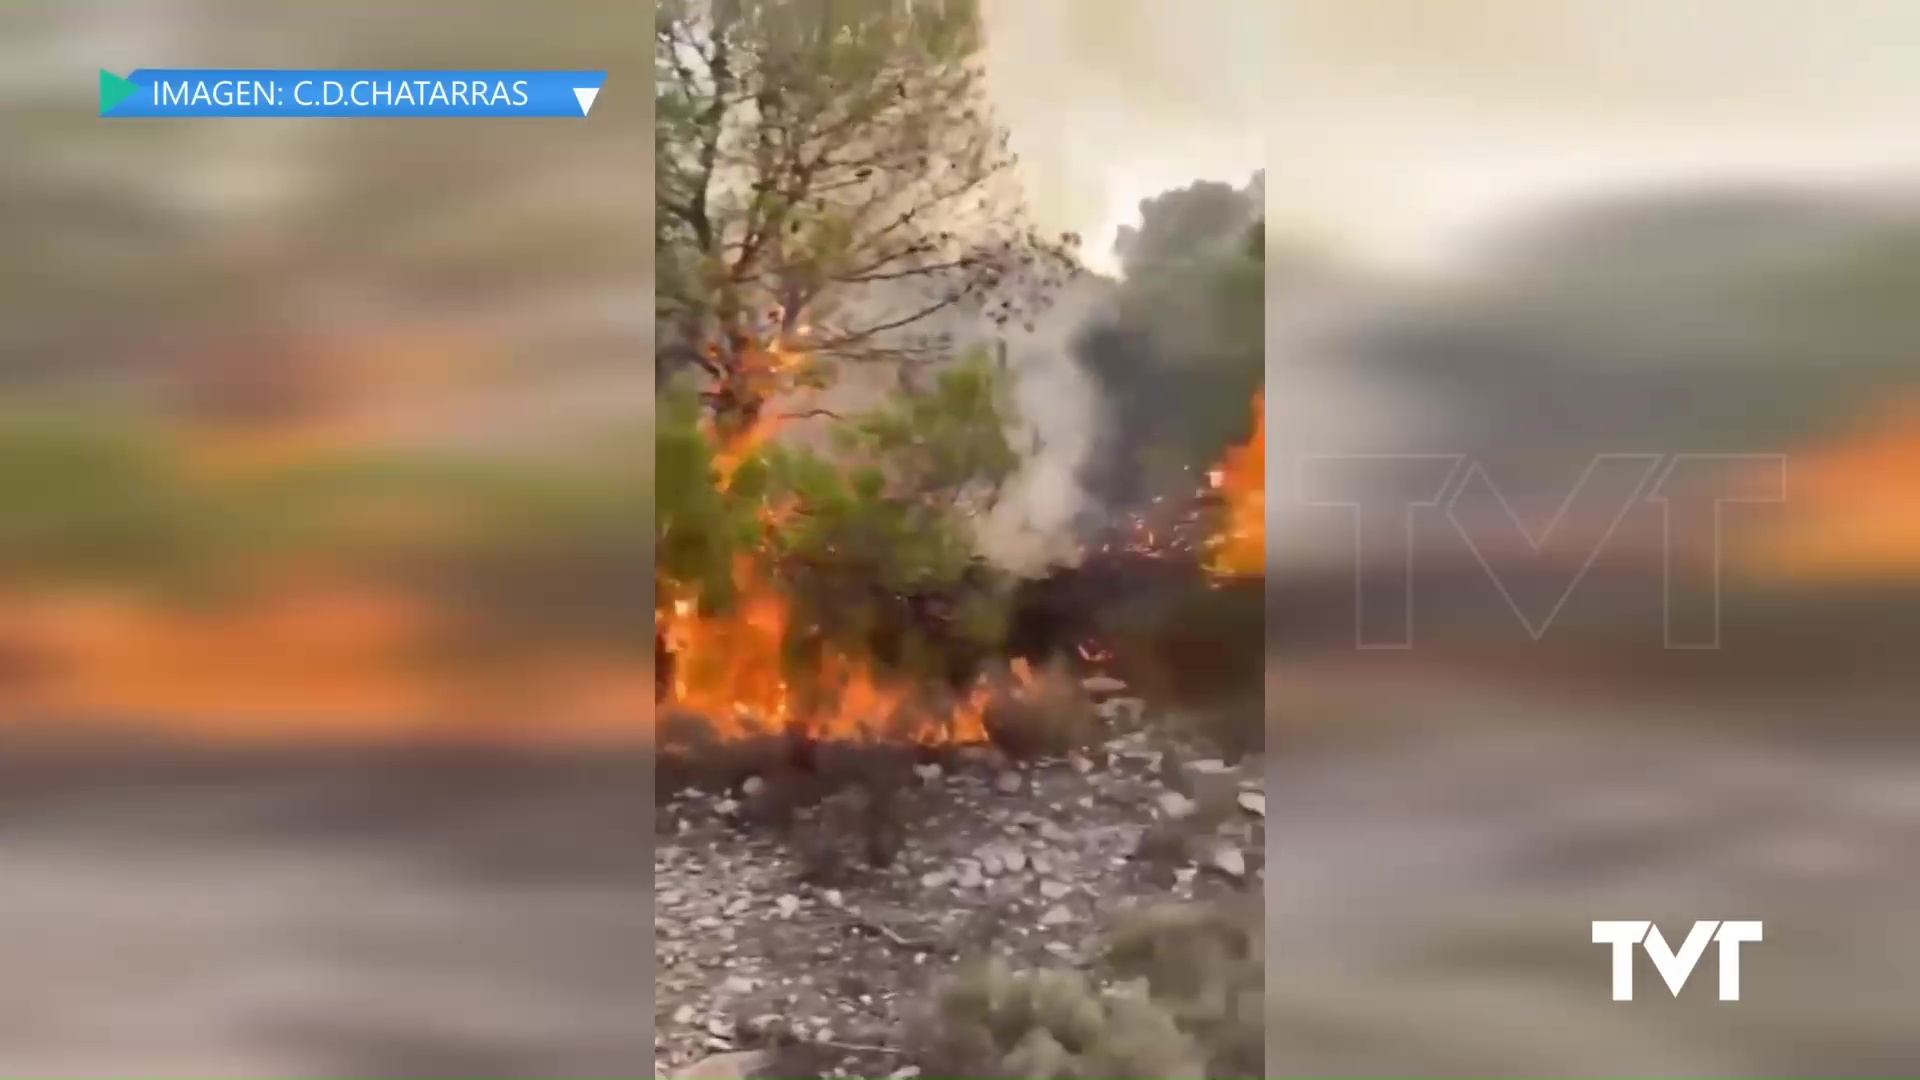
x,y
832,188
826,591
831,182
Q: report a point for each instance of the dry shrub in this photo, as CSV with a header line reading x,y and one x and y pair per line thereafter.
x,y
1184,997
1046,715
991,1021
1205,965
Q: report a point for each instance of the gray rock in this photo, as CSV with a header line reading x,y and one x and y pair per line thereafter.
x,y
1057,915
1227,859
1175,805
1102,684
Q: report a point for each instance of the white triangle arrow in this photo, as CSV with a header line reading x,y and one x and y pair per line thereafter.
x,y
586,94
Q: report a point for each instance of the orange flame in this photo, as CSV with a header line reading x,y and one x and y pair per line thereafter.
x,y
1240,549
732,668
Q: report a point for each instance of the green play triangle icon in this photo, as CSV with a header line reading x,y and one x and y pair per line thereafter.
x,y
114,89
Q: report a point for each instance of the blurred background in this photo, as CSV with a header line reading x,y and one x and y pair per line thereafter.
x,y
323,493
1529,234
287,402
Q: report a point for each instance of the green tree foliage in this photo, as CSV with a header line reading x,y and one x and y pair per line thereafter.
x,y
871,542
832,167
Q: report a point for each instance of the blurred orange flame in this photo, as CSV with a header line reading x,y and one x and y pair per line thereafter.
x,y
1853,507
1240,548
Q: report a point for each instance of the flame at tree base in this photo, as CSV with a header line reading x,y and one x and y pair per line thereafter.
x,y
735,671
732,670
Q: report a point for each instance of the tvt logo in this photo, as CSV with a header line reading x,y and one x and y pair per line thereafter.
x,y
1674,967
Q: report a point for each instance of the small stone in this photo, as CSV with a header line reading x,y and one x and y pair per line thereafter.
x,y
684,1014
936,879
1228,860
1208,766
1253,803
726,807
1081,763
1042,863
738,985
910,1072
753,786
1175,805
970,875
1055,890
1009,783
1015,859
1054,834
991,863
719,1027
1057,915
834,899
1102,684
788,904
1184,875
1059,948
928,773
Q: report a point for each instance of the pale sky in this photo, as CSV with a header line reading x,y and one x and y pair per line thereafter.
x,y
1399,130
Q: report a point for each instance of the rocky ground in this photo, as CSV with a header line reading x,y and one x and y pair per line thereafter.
x,y
1444,849
768,967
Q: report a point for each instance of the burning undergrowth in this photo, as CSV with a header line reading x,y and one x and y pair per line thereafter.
x,y
811,599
